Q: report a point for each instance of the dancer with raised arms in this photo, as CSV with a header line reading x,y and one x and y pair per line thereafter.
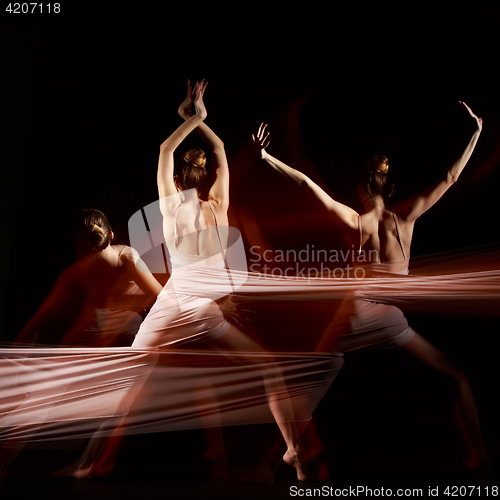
x,y
389,231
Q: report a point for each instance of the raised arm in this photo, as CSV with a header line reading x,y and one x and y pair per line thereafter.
x,y
219,192
166,184
345,214
416,206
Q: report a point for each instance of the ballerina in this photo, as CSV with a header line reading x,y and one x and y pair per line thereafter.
x,y
193,231
362,323
100,296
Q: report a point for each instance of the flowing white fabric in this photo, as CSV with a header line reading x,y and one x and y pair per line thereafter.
x,y
56,393
72,392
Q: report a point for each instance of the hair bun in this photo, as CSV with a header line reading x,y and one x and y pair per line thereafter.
x,y
196,158
93,233
378,163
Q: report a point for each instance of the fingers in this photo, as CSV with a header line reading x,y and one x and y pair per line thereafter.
x,y
263,143
261,130
261,137
203,86
467,108
199,89
472,114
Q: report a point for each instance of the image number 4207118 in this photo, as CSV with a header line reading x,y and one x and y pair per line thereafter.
x,y
33,8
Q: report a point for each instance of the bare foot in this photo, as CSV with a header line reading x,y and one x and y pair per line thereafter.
x,y
293,459
102,469
76,471
81,471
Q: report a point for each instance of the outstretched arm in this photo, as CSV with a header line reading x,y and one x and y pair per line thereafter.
x,y
345,214
166,185
219,193
416,206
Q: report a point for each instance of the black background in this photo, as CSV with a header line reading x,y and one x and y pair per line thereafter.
x,y
88,95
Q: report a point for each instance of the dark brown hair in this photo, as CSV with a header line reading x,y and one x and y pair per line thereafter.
x,y
190,170
375,179
93,232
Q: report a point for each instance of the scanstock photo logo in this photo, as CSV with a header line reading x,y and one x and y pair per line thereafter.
x,y
156,242
310,262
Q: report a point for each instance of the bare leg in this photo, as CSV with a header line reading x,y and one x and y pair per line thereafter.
x,y
265,472
216,451
102,450
107,458
12,447
465,408
99,456
279,403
